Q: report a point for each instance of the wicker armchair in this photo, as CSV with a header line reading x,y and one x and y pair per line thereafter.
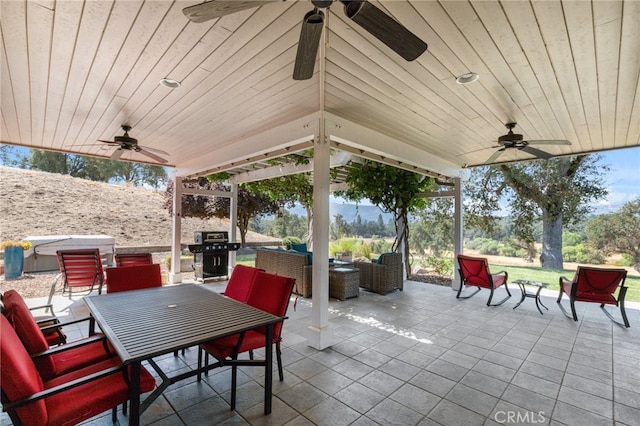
x,y
288,264
381,277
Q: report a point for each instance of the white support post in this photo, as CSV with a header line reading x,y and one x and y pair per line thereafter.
x,y
233,222
320,335
458,236
175,276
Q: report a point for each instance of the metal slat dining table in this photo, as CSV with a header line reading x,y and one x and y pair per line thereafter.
x,y
143,324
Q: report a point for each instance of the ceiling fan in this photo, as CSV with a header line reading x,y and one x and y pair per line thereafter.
x,y
371,18
127,143
516,141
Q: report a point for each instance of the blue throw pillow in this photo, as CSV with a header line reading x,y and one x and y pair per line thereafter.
x,y
309,258
302,247
379,262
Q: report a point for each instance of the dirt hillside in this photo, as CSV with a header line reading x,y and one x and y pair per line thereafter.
x,y
40,203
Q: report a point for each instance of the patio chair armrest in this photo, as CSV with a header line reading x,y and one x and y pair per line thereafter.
x,y
72,345
61,388
500,272
75,321
52,319
564,279
45,307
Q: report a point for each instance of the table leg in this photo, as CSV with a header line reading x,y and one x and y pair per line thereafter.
x,y
268,372
134,395
539,302
524,295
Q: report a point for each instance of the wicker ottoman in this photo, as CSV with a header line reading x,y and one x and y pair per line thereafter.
x,y
344,283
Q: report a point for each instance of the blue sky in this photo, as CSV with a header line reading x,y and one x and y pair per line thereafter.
x,y
623,179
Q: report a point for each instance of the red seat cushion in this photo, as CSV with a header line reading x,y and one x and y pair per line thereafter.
x,y
76,358
224,347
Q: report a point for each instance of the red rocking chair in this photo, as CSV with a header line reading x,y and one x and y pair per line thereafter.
x,y
595,285
474,271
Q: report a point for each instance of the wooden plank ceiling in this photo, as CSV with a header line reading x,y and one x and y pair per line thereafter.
x,y
74,71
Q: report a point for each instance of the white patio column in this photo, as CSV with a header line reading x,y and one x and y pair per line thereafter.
x,y
233,222
175,276
458,235
320,335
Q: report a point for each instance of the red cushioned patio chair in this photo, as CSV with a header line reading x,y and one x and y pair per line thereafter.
x,y
78,268
53,362
133,259
474,272
595,285
133,277
270,293
66,399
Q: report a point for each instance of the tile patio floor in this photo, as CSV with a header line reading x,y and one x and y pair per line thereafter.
x,y
421,357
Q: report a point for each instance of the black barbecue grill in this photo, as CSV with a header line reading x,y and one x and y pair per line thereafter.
x,y
211,253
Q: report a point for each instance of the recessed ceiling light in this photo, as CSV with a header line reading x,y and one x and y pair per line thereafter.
x,y
467,78
170,83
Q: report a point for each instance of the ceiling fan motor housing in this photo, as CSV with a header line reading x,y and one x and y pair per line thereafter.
x,y
510,138
126,142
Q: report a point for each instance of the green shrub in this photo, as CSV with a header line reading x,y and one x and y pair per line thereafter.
x,y
287,241
582,253
489,247
440,265
508,251
380,246
626,260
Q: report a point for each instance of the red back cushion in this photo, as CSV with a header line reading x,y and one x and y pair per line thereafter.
x,y
27,329
136,277
18,376
271,293
240,282
474,270
598,281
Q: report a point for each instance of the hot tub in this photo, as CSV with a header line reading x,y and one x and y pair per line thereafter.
x,y
42,254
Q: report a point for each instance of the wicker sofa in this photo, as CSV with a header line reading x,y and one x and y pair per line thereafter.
x,y
288,264
381,277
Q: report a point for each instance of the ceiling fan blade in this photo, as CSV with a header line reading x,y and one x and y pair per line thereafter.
x,y
495,156
385,28
159,151
537,152
117,154
152,155
310,34
216,8
549,142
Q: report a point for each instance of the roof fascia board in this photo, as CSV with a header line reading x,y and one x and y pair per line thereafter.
x,y
345,132
262,144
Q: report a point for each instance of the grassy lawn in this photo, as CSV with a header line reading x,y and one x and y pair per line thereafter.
x,y
552,277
